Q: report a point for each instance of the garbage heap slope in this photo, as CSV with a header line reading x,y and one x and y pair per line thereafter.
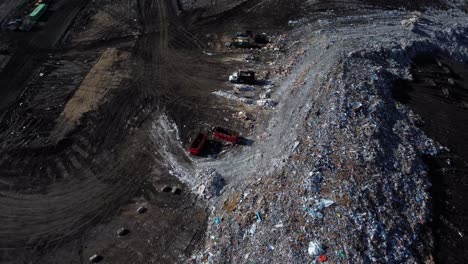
x,y
340,170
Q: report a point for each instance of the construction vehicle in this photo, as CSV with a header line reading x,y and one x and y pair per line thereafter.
x,y
198,144
226,135
243,40
249,40
242,76
33,18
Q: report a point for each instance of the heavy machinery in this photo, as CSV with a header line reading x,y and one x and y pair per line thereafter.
x,y
226,135
198,144
243,40
249,40
33,18
242,76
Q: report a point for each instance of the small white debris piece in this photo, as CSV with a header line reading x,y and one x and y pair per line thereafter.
x,y
315,248
95,258
141,209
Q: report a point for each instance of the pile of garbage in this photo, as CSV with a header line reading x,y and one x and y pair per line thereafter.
x,y
210,183
339,175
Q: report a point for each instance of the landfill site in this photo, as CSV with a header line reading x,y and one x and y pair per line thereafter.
x,y
233,131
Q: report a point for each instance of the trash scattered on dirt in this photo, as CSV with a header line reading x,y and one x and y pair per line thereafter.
x,y
211,183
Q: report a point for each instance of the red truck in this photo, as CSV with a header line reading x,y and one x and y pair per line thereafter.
x,y
226,134
198,143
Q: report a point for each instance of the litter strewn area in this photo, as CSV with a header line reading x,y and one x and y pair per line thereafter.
x,y
244,131
343,179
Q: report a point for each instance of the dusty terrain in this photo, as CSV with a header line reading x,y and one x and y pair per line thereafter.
x,y
101,100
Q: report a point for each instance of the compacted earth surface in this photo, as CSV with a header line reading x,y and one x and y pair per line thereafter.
x,y
352,140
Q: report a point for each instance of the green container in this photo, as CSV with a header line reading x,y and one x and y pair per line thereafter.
x,y
38,12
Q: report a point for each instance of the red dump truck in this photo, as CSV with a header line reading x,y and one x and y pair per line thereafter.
x,y
226,134
198,143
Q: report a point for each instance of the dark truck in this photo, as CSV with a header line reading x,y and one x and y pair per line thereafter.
x,y
249,40
226,134
242,76
198,144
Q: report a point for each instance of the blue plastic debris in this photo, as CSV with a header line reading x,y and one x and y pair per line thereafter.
x,y
259,217
217,221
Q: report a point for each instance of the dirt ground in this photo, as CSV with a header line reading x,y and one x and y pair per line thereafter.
x,y
81,98
75,141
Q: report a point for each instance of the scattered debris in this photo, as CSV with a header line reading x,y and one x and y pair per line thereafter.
x,y
243,76
123,231
212,182
142,209
259,217
322,258
95,258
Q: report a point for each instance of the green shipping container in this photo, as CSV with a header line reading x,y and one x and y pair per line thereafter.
x,y
38,12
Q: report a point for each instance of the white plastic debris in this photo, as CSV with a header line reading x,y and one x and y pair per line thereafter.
x,y
315,248
279,226
324,203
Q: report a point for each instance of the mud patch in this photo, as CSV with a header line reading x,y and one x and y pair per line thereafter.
x,y
100,80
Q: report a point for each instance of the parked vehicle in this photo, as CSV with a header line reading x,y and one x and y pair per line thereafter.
x,y
226,135
198,144
248,40
242,42
241,76
38,12
33,18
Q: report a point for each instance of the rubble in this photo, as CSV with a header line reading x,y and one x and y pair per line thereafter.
x,y
210,183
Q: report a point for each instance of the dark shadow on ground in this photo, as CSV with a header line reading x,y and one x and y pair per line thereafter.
x,y
439,95
212,148
245,142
